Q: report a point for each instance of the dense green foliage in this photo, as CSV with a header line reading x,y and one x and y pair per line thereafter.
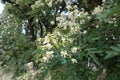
x,y
61,39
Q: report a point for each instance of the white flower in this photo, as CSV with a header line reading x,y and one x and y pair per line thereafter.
x,y
82,21
33,6
103,1
49,54
97,26
70,40
75,7
29,65
74,49
84,32
74,60
47,40
42,4
37,4
50,4
58,18
97,9
88,17
52,22
110,22
58,33
114,19
55,42
63,39
45,59
70,15
48,46
64,54
39,39
69,7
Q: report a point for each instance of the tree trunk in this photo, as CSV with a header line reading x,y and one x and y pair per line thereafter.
x,y
30,29
101,76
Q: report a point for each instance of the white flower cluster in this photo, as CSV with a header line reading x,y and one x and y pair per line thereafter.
x,y
97,10
37,4
113,20
41,3
73,60
64,54
52,22
31,74
48,55
49,2
69,20
74,49
19,1
103,1
29,66
63,35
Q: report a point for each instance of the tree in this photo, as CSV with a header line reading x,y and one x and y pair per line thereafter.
x,y
62,39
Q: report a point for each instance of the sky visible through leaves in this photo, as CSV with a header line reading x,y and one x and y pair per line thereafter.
x,y
1,7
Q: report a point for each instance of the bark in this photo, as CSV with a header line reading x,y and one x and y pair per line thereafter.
x,y
101,76
30,29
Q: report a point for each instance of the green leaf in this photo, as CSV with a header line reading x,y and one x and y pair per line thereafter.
x,y
116,48
115,51
111,54
95,59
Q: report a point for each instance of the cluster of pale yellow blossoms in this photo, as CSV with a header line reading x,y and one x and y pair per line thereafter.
x,y
74,49
31,74
37,4
113,21
68,20
64,54
68,23
41,3
73,60
49,55
99,9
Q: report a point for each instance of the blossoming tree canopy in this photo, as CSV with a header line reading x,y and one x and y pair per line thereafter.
x,y
61,39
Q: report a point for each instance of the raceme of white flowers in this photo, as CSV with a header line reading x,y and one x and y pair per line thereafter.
x,y
41,3
97,10
73,60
